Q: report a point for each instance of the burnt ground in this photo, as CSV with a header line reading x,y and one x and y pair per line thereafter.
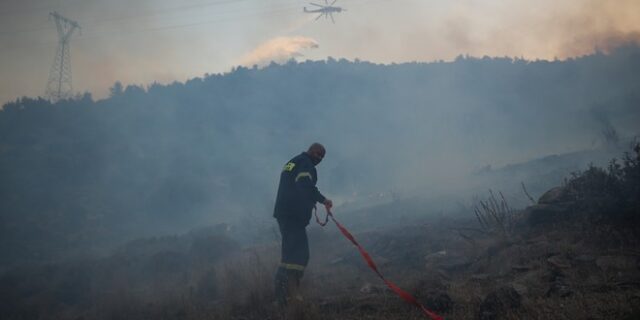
x,y
544,264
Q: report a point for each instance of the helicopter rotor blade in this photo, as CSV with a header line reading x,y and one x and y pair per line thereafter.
x,y
317,5
326,2
331,15
318,17
334,2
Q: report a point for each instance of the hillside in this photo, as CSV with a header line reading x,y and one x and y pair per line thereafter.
x,y
82,176
571,255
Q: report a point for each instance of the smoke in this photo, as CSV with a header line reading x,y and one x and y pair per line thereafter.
x,y
597,25
568,29
279,49
604,41
541,29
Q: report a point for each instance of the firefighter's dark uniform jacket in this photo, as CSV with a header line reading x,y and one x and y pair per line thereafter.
x,y
297,192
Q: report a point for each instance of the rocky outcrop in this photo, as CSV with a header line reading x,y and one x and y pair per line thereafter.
x,y
556,195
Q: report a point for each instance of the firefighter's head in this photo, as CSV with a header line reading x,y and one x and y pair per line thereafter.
x,y
316,152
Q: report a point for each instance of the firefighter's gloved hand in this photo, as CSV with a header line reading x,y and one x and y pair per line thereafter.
x,y
328,204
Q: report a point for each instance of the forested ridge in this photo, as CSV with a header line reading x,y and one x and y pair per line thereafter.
x,y
83,173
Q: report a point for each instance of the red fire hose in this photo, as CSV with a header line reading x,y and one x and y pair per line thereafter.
x,y
403,294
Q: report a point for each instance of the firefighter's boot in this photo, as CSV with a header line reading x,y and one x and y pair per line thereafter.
x,y
281,286
293,286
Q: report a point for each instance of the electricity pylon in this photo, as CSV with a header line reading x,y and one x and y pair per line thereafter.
x,y
59,84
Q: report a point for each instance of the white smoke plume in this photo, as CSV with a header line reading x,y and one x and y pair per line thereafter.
x,y
279,49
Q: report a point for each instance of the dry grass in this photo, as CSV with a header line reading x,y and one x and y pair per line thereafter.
x,y
495,216
338,284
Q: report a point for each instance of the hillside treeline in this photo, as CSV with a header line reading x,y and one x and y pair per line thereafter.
x,y
81,174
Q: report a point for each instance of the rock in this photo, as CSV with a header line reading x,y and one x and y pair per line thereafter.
x,y
499,301
555,195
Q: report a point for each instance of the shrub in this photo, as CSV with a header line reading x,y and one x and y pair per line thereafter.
x,y
612,193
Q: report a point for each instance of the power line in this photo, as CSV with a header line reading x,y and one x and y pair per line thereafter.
x,y
289,6
96,35
171,10
47,9
185,25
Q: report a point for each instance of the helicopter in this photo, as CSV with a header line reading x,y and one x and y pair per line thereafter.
x,y
325,10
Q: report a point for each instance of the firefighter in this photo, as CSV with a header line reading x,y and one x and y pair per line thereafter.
x,y
297,197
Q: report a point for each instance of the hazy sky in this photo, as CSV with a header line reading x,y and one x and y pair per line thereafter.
x,y
142,41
